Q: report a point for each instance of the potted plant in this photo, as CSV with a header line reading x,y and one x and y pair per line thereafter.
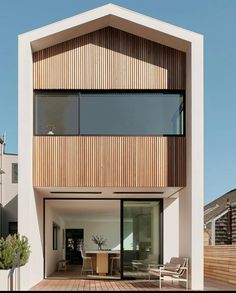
x,y
14,253
50,129
99,240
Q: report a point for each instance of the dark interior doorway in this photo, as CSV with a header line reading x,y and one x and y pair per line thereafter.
x,y
74,238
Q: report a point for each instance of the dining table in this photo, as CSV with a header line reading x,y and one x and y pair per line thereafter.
x,y
101,259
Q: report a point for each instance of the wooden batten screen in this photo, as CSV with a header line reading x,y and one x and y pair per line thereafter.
x,y
109,59
106,161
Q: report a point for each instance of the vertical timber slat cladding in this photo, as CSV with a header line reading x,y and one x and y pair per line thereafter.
x,y
100,161
109,59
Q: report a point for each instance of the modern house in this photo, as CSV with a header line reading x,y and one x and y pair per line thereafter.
x,y
8,191
111,144
220,220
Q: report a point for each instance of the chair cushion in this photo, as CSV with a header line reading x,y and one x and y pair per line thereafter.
x,y
172,267
178,260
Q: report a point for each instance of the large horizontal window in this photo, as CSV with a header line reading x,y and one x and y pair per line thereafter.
x,y
130,114
109,113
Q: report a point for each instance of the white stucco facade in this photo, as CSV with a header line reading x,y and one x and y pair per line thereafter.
x,y
8,189
182,214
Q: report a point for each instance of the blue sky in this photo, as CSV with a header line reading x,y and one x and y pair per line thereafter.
x,y
213,18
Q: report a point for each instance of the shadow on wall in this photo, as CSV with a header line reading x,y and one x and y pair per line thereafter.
x,y
9,213
126,44
176,158
39,210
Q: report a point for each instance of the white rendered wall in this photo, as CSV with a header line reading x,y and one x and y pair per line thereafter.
x,y
1,151
110,229
52,256
9,192
197,166
191,203
170,228
10,189
30,205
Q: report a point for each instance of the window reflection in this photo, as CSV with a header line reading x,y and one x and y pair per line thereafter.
x,y
141,237
57,114
96,113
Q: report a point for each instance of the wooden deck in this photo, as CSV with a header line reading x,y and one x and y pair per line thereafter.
x,y
98,285
108,285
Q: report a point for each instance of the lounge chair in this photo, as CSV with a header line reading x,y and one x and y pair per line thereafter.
x,y
176,269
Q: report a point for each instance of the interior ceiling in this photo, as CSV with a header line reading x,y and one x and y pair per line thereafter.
x,y
86,209
96,210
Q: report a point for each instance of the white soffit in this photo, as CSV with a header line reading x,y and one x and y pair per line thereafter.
x,y
117,17
108,192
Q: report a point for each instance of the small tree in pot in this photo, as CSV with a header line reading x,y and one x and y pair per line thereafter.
x,y
11,247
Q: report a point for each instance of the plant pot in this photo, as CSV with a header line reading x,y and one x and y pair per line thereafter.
x,y
4,280
8,283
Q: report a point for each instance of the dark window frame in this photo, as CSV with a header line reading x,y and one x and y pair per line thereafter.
x,y
78,92
14,176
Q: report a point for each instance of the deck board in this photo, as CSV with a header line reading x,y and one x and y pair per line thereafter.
x,y
100,285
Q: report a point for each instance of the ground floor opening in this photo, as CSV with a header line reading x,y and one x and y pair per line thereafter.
x,y
102,238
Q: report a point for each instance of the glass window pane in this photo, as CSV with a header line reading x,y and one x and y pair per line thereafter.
x,y
14,173
57,114
12,228
141,237
131,114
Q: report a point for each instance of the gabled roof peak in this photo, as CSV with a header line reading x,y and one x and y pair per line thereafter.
x,y
110,15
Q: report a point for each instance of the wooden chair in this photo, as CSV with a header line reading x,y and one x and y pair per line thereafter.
x,y
176,269
87,262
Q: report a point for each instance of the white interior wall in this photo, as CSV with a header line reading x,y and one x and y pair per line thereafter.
x,y
109,228
155,226
52,256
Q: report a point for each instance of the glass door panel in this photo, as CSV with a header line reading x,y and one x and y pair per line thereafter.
x,y
141,237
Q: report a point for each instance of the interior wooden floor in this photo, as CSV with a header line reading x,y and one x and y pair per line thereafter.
x,y
74,272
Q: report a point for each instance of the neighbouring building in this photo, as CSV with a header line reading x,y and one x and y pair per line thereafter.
x,y
8,191
111,144
220,220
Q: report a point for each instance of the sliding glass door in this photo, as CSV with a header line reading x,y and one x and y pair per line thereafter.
x,y
141,237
